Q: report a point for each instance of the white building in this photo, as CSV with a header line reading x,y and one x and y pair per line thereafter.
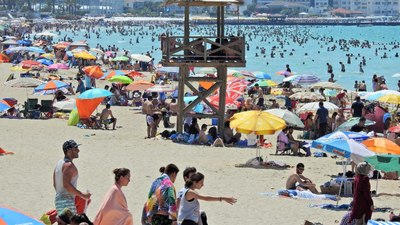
x,y
320,6
370,7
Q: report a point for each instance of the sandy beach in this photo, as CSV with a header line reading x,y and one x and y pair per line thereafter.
x,y
26,176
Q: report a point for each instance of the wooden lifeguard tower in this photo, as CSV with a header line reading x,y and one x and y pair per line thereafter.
x,y
218,51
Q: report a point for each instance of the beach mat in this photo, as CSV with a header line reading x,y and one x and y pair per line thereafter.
x,y
4,152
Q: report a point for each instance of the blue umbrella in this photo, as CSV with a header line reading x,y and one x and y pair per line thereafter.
x,y
4,106
24,42
262,75
36,49
346,135
198,108
46,62
375,95
95,93
303,79
51,85
9,216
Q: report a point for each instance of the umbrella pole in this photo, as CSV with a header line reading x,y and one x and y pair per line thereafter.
x,y
341,182
377,180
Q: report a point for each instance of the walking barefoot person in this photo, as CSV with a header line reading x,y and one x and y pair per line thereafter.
x,y
189,207
114,208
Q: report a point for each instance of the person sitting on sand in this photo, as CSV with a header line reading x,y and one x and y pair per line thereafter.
x,y
104,117
229,137
298,181
202,139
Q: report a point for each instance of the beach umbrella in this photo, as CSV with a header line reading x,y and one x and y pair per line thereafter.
x,y
4,106
10,216
88,101
4,58
396,75
67,105
120,58
140,85
346,135
62,45
235,88
305,79
46,33
284,73
327,85
247,74
96,50
375,95
206,84
309,96
17,49
351,122
46,62
24,82
25,42
84,55
58,66
229,102
36,49
382,146
265,83
386,163
347,148
395,129
161,88
51,85
47,56
314,106
258,122
132,74
141,58
93,71
390,98
112,73
290,118
121,79
29,64
168,70
330,92
262,75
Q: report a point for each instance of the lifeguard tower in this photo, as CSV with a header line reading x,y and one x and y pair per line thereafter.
x,y
218,51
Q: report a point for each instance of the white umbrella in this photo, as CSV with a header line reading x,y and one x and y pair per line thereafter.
x,y
67,105
96,50
161,88
327,85
313,96
46,34
396,75
314,106
290,118
142,58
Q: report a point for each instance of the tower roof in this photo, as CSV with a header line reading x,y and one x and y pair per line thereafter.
x,y
204,2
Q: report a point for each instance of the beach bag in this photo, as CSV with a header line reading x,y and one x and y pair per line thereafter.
x,y
165,134
192,139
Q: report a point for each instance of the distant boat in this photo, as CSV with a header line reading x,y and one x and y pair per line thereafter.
x,y
365,24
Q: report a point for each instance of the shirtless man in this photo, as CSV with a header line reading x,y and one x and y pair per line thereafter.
x,y
104,117
151,119
65,178
260,96
303,182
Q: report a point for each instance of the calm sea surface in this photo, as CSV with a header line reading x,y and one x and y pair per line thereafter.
x,y
308,45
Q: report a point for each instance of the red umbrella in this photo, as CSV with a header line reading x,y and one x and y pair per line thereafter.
x,y
139,85
214,100
235,88
26,64
132,74
93,71
395,129
4,58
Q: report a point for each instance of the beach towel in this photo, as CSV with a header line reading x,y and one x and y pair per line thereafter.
x,y
114,209
341,207
373,222
306,195
4,152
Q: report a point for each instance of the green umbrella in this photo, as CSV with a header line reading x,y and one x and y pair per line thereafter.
x,y
386,163
121,79
120,58
351,122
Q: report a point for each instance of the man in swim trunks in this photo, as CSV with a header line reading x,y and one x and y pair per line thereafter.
x,y
303,183
104,117
65,179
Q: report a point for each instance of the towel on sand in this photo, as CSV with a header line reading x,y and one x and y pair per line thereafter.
x,y
114,209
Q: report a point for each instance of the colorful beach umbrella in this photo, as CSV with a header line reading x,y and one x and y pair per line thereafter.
x,y
284,73
84,55
265,83
46,62
347,148
4,58
229,102
112,73
327,85
382,146
290,118
29,64
4,106
302,79
120,58
58,66
140,85
351,122
96,50
390,98
386,163
375,95
262,75
88,101
314,106
93,71
10,216
395,129
346,135
51,85
47,56
258,122
121,79
307,96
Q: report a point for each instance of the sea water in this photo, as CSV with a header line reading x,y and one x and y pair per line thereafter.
x,y
308,58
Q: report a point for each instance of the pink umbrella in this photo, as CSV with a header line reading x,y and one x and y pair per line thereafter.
x,y
235,88
58,66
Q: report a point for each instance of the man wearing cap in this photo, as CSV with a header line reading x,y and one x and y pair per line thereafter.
x,y
65,179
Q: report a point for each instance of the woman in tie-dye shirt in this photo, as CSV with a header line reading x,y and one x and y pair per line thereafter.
x,y
161,204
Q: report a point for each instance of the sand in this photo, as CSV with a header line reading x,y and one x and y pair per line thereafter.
x,y
26,176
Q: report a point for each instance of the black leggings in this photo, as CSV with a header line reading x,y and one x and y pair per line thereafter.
x,y
188,222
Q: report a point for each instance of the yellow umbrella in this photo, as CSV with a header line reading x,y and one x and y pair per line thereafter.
x,y
258,122
48,56
84,55
19,68
390,98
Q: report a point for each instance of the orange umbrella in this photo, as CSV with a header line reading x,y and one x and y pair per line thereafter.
x,y
30,63
93,71
139,85
382,145
4,58
132,74
206,84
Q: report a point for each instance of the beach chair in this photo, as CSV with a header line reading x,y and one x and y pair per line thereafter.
x,y
46,109
31,108
282,148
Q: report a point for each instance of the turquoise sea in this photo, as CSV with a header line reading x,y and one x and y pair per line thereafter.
x,y
308,44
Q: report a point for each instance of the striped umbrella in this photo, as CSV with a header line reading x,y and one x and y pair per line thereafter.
x,y
265,83
10,216
112,73
262,75
4,106
305,79
51,85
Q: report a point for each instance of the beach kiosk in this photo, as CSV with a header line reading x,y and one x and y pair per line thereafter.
x,y
219,52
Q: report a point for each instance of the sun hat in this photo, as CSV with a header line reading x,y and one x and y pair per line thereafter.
x,y
70,144
363,168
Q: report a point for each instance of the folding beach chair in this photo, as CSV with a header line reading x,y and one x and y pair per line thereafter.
x,y
31,109
46,109
283,148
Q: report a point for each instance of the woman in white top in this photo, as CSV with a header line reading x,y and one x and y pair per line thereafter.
x,y
189,207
